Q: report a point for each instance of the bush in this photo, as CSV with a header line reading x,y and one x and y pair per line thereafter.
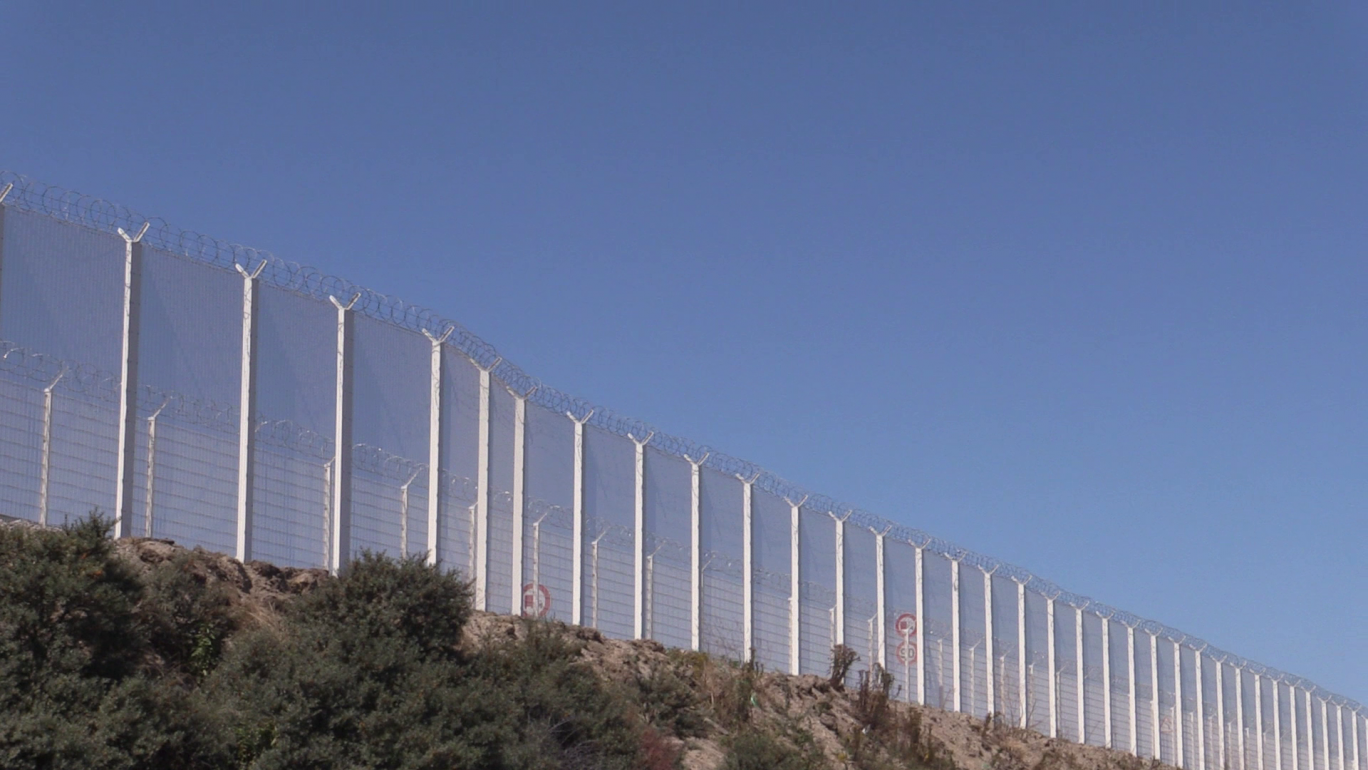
x,y
752,750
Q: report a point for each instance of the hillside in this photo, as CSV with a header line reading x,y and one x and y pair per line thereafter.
x,y
139,653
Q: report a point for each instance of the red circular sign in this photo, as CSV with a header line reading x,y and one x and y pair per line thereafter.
x,y
906,625
907,652
536,603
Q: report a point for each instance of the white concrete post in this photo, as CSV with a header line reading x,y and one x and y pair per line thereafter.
x,y
1178,703
1259,722
342,439
1292,719
434,464
1134,698
3,192
880,618
1339,744
1053,681
594,575
151,468
794,586
1154,694
1239,718
1354,721
327,512
480,532
839,623
404,511
1201,713
577,547
45,469
519,502
1325,735
1021,649
696,551
921,623
988,655
1277,723
247,414
639,539
955,632
128,380
1106,684
1078,669
1220,714
747,567
1310,736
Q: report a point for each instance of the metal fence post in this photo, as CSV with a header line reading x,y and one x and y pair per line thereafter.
x,y
151,468
1220,713
1239,717
1277,723
1339,744
1292,718
747,568
839,524
479,534
404,511
1358,759
4,191
955,632
1078,667
45,469
434,464
1134,698
990,691
519,502
128,380
247,413
1053,684
1201,711
1259,721
795,585
577,547
639,538
1325,733
695,551
1154,695
1021,648
1178,703
921,622
342,439
880,595
1106,684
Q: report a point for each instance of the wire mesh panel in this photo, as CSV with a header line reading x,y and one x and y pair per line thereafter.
x,y
903,639
772,543
668,501
548,525
1006,678
460,440
817,597
861,598
1144,691
500,580
936,631
1066,667
723,564
63,290
610,512
973,651
189,362
22,423
1037,664
391,394
295,382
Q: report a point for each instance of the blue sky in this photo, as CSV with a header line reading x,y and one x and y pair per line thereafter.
x,y
1080,287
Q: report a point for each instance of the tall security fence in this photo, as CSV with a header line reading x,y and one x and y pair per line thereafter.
x,y
219,396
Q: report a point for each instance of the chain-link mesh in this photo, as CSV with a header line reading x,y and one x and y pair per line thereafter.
x,y
63,308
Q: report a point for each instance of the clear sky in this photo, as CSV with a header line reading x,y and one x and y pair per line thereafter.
x,y
1079,285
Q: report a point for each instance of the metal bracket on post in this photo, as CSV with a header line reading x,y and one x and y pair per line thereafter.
x,y
795,565
45,469
247,413
639,538
128,380
520,499
342,439
577,547
434,463
151,467
747,566
479,535
696,551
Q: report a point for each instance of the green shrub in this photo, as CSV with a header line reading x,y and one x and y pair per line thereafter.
x,y
753,750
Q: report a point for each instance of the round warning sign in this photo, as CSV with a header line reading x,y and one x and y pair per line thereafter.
x,y
906,625
907,652
536,601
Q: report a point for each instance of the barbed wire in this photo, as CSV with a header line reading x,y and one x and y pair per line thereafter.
x,y
88,211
